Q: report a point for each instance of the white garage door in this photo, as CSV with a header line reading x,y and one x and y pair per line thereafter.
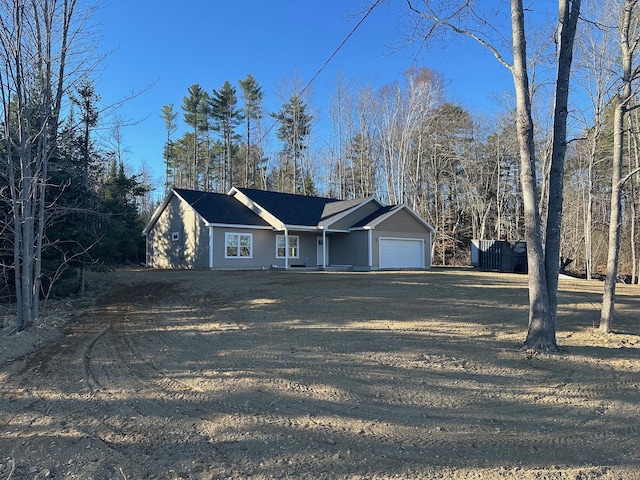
x,y
401,253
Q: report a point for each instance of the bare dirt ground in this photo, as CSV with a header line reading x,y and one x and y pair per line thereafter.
x,y
319,375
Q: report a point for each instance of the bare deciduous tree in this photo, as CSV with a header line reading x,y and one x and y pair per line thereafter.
x,y
595,76
629,30
37,40
543,264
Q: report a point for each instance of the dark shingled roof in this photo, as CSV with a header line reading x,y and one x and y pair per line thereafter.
x,y
220,208
335,208
374,215
295,209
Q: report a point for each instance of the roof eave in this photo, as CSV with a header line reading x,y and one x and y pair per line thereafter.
x,y
158,211
238,225
341,215
395,210
257,209
310,228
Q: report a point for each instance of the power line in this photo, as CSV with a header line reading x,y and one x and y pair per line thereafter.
x,y
346,39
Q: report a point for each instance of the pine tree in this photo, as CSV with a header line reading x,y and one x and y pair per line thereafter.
x,y
252,111
169,116
294,131
70,234
196,109
225,117
119,224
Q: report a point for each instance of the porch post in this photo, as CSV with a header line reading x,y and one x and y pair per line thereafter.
x,y
210,247
370,242
324,248
286,248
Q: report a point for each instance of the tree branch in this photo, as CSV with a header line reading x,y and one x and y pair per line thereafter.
x,y
624,179
438,21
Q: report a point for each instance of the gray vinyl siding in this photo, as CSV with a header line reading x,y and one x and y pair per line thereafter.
x,y
354,217
188,250
402,221
308,250
263,249
198,252
260,254
349,249
361,238
401,225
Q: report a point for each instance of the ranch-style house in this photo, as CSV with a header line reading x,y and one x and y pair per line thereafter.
x,y
254,229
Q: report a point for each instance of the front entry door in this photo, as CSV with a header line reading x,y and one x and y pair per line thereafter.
x,y
323,249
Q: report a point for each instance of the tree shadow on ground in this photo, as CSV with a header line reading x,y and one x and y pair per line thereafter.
x,y
272,374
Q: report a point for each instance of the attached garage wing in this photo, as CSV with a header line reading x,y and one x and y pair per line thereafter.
x,y
401,253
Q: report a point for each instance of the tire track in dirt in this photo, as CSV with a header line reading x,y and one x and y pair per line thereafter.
x,y
227,381
118,359
41,377
529,443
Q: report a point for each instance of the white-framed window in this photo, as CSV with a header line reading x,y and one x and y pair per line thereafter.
x,y
293,246
175,236
238,245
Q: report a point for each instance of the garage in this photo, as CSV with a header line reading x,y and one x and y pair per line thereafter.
x,y
401,253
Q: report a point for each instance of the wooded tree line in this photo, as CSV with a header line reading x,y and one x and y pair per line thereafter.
x,y
66,202
406,143
69,201
223,145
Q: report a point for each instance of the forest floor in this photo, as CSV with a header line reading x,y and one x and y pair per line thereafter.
x,y
319,375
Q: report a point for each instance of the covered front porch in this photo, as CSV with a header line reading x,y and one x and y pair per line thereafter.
x,y
321,249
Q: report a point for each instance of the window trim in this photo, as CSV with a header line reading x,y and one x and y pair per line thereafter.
x,y
289,237
238,235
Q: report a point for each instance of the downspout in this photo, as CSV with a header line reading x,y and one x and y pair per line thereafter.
x,y
324,248
286,248
211,247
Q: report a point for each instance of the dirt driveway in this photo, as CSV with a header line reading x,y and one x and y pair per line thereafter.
x,y
321,375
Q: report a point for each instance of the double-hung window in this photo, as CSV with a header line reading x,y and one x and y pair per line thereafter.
x,y
293,246
238,245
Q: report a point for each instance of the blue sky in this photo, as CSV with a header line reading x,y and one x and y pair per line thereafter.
x,y
173,45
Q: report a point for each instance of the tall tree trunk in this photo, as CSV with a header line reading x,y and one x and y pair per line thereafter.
x,y
588,221
632,240
634,164
613,255
229,161
568,19
543,266
625,95
541,333
247,153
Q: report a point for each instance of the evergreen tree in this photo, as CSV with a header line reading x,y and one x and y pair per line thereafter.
x,y
119,223
196,110
294,131
252,96
169,116
86,100
73,171
225,117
